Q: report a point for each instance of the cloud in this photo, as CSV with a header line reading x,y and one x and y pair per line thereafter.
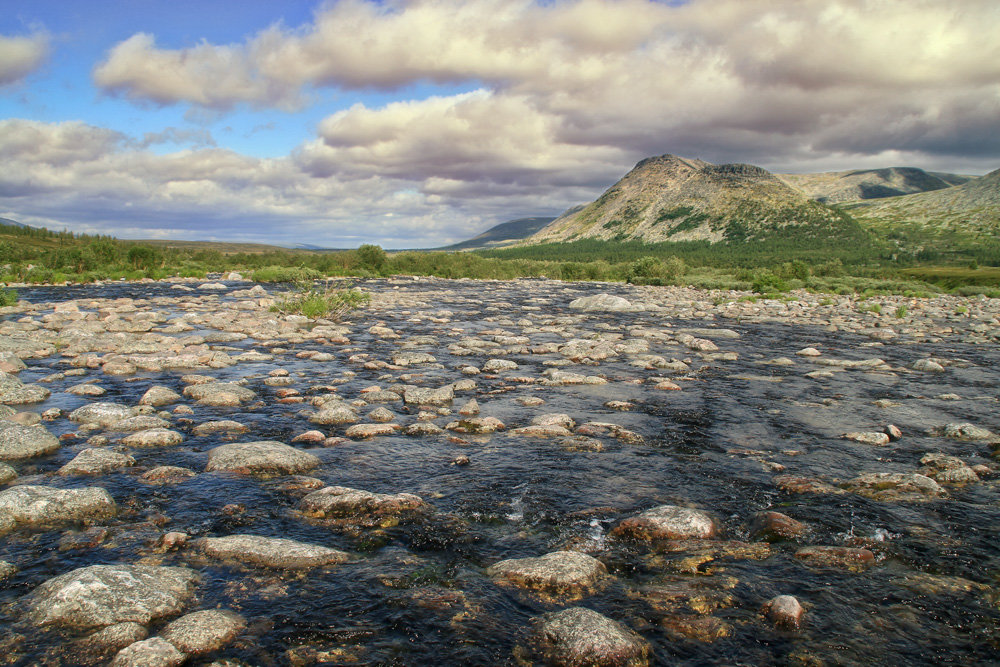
x,y
173,135
20,56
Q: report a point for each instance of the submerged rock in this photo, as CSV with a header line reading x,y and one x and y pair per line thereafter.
x,y
341,502
561,574
270,551
667,522
784,611
578,636
264,457
101,595
775,526
43,505
848,558
894,486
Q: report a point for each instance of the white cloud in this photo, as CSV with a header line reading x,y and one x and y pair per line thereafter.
x,y
20,56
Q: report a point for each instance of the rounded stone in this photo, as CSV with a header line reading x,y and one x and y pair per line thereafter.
x,y
668,522
152,652
561,573
270,551
43,505
153,437
578,636
784,610
204,631
24,442
260,458
96,461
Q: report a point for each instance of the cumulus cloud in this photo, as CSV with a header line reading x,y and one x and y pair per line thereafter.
x,y
20,56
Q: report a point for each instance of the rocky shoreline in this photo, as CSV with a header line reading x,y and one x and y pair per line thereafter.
x,y
647,474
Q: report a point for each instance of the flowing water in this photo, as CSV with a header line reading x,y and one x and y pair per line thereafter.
x,y
416,593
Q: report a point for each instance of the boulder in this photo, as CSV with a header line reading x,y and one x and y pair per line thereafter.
x,y
24,442
152,652
219,393
784,611
270,552
848,558
153,437
424,396
158,396
578,636
668,522
15,392
341,502
203,631
96,461
260,458
101,595
562,574
101,413
604,303
45,506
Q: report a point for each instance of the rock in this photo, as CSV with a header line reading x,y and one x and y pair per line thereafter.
x,y
928,366
476,425
7,473
96,461
784,611
153,437
167,475
808,352
118,368
965,431
867,437
152,652
86,389
101,414
365,431
219,394
270,552
848,558
337,413
561,574
893,432
412,358
470,409
698,628
381,415
139,423
260,458
775,526
7,570
667,522
423,428
947,469
101,595
536,431
554,419
158,396
15,392
173,540
220,426
340,502
203,631
24,442
45,506
893,486
499,365
605,303
578,637
424,396
112,639
312,437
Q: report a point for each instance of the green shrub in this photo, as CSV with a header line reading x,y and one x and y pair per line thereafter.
x,y
285,274
331,302
768,283
653,270
372,257
8,297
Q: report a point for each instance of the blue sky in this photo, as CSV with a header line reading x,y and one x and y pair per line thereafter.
x,y
423,122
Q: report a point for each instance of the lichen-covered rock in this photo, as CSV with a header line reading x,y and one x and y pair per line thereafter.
x,y
109,640
335,413
152,652
270,551
578,636
44,506
848,558
101,595
424,396
15,392
604,303
24,442
260,458
167,475
668,522
153,437
358,506
158,396
965,431
203,631
101,413
894,486
96,461
225,394
561,574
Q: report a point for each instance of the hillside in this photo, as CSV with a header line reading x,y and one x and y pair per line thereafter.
x,y
504,234
11,223
860,184
669,198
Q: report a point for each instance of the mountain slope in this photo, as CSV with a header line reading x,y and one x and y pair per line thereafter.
x,y
860,184
504,234
669,198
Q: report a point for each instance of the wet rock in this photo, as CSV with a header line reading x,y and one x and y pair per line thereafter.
x,y
424,396
270,552
167,475
153,652
561,574
337,413
153,437
423,428
24,442
118,368
893,432
313,437
111,639
554,419
868,437
412,358
698,628
382,415
264,458
808,352
101,595
965,431
927,366
775,526
203,631
947,469
15,392
794,484
667,522
476,425
848,558
44,506
96,461
894,486
221,394
220,426
7,473
616,431
340,502
158,396
578,636
86,389
7,570
470,409
365,431
604,303
784,611
101,414
499,365
139,423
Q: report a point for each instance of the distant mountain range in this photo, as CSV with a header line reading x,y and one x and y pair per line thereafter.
x,y
12,223
504,234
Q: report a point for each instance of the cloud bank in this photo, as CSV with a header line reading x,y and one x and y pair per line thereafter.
x,y
20,56
567,96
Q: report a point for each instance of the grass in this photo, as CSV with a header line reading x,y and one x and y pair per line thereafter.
x,y
8,297
330,302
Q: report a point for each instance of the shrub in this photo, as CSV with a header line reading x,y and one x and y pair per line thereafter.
x,y
330,302
372,257
285,274
8,297
768,283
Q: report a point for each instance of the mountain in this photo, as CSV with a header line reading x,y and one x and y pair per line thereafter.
x,y
504,234
970,209
842,186
11,223
670,198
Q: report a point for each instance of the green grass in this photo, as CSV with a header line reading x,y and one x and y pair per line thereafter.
x,y
330,302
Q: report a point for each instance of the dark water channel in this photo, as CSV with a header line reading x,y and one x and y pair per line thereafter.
x,y
416,593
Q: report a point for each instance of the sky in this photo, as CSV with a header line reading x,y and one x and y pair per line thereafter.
x,y
414,124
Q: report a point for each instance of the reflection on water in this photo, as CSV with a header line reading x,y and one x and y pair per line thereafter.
x,y
415,593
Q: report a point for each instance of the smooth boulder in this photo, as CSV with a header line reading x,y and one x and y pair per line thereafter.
x,y
270,551
265,457
44,505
